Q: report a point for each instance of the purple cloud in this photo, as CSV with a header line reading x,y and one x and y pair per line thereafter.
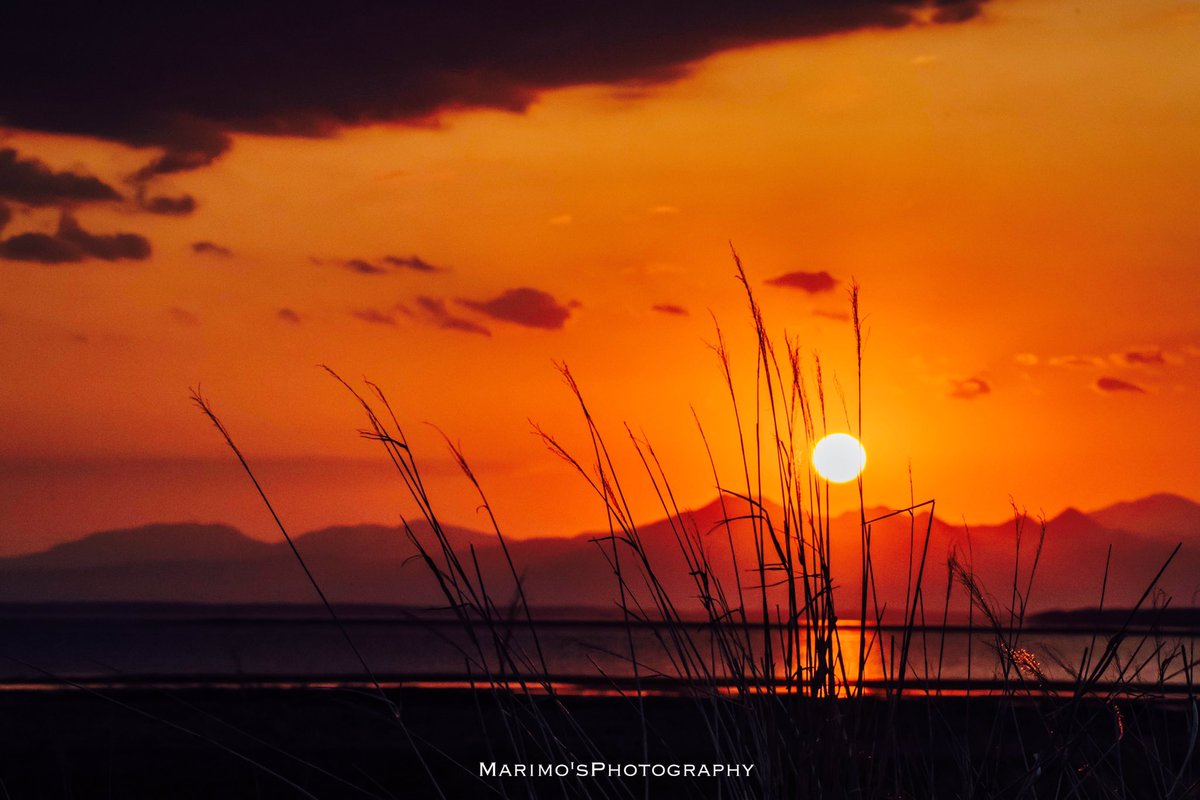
x,y
531,308
211,249
811,282
179,206
1143,358
437,313
71,244
415,263
1107,384
363,267
375,316
670,308
31,182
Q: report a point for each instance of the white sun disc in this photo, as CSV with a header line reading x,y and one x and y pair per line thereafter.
x,y
839,458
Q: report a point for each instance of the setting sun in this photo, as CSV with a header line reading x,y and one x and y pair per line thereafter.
x,y
839,458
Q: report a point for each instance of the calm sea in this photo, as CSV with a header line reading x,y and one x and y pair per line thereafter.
x,y
57,646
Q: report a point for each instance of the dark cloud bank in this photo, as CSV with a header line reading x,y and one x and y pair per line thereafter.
x,y
811,282
32,183
71,243
181,76
531,308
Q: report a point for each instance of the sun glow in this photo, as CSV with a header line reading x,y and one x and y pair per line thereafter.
x,y
839,458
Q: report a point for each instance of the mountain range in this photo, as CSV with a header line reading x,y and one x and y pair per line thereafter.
x,y
212,563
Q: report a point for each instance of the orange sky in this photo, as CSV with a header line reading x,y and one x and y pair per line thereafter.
x,y
1016,194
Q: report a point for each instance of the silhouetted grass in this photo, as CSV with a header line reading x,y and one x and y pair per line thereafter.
x,y
778,678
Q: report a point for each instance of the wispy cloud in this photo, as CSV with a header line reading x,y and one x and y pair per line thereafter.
x,y
670,308
1107,384
375,316
811,282
1142,357
211,249
415,263
436,312
525,306
288,315
71,244
381,266
968,388
363,267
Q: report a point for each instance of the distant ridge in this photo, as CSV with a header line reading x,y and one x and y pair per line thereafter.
x,y
147,544
211,563
1158,515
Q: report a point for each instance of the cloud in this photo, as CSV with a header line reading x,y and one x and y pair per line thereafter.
x,y
837,316
40,249
187,142
437,313
5,215
968,389
375,316
1149,357
179,206
182,76
383,266
110,248
532,308
811,282
1026,359
31,182
669,308
211,249
363,267
413,262
950,13
71,243
1107,384
288,315
183,316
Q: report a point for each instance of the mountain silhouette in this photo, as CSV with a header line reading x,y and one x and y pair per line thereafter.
x,y
192,562
1159,515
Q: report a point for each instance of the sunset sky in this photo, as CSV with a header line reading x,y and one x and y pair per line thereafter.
x,y
449,202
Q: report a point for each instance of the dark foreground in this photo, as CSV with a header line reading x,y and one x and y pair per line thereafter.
x,y
343,743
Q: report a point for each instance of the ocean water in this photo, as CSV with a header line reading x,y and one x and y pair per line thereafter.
x,y
60,647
